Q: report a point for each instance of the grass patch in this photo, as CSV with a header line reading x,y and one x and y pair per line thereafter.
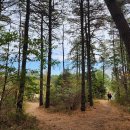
x,y
122,107
14,121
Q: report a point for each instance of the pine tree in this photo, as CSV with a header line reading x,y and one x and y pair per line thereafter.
x,y
47,104
24,60
83,97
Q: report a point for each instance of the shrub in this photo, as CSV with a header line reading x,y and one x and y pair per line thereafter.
x,y
15,121
65,93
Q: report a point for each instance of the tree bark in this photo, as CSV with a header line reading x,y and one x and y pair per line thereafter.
x,y
89,58
19,50
77,64
116,74
123,62
83,97
24,58
63,50
103,70
1,4
120,22
47,104
41,67
20,38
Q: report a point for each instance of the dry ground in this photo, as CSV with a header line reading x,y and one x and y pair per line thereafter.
x,y
103,117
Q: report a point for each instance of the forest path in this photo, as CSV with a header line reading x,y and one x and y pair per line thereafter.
x,y
103,117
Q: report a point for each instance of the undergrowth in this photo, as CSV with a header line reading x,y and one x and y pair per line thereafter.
x,y
14,121
123,107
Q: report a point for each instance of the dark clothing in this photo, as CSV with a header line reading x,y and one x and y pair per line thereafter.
x,y
109,96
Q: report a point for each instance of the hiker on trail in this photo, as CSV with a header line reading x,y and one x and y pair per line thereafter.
x,y
109,96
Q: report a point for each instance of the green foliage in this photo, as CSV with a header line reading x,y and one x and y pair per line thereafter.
x,y
10,93
114,85
99,88
65,93
10,69
9,97
7,37
34,49
55,62
6,60
32,87
121,97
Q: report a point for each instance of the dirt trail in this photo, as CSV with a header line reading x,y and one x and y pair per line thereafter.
x,y
103,117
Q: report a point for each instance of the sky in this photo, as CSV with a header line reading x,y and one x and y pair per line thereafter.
x,y
57,53
56,69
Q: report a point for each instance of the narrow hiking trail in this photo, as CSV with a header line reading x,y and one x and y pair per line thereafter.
x,y
103,117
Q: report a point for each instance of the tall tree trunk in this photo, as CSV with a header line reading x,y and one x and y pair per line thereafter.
x,y
41,68
83,97
120,22
24,58
20,38
103,70
19,50
77,64
122,50
63,50
89,58
115,66
63,30
5,78
47,104
1,4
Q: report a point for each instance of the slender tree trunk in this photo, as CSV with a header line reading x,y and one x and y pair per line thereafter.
x,y
63,50
63,30
103,69
128,71
47,104
41,68
5,78
83,97
120,22
1,4
24,58
20,37
123,67
77,64
89,58
115,66
19,51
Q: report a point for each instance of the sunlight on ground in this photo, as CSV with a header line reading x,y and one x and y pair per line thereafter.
x,y
104,116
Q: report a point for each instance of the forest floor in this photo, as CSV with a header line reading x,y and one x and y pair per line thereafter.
x,y
104,116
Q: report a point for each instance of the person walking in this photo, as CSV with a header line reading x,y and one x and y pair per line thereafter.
x,y
109,95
